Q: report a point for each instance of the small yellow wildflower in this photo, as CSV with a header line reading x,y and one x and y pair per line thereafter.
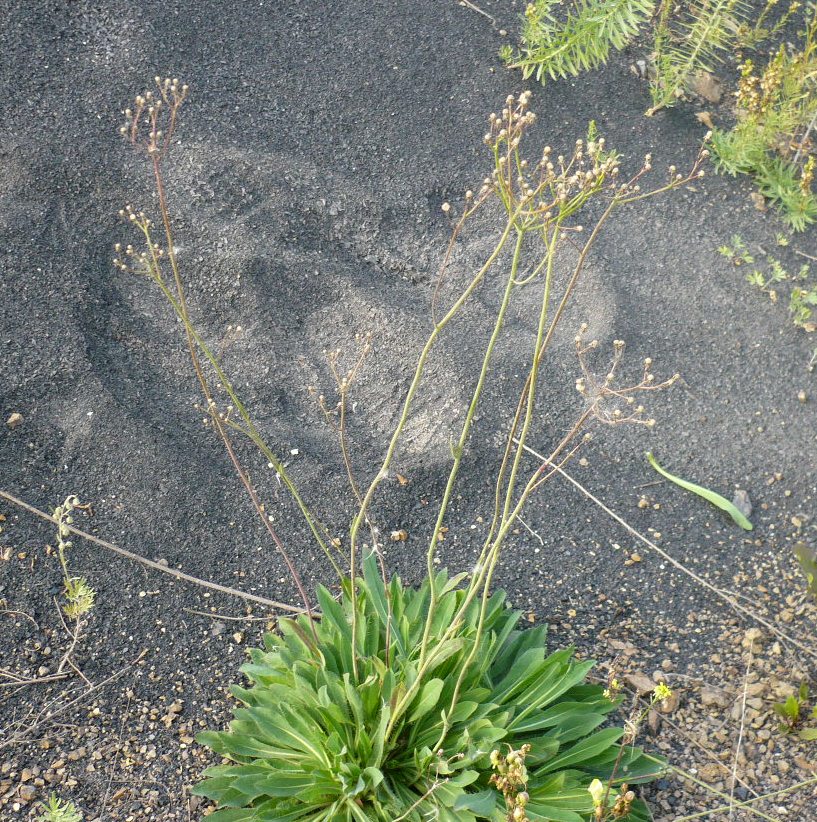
x,y
662,692
596,789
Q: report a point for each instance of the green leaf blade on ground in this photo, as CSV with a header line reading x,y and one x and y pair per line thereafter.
x,y
710,496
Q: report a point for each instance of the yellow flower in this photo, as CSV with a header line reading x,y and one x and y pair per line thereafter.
x,y
596,790
612,692
662,692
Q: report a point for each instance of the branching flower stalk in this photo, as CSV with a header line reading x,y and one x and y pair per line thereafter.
x,y
143,131
150,264
336,419
79,595
537,203
638,713
541,204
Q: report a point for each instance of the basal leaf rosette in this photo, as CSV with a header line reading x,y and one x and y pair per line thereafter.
x,y
313,742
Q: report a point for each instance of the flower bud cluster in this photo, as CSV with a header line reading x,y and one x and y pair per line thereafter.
x,y
613,689
610,403
511,777
554,184
144,119
79,596
344,380
623,803
537,195
63,515
127,257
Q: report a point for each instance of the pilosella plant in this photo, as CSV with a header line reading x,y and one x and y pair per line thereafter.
x,y
390,705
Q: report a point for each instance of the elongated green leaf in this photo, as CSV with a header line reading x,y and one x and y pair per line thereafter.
x,y
710,496
544,693
333,613
235,815
310,743
377,596
235,744
440,653
483,803
576,754
427,699
808,564
553,814
517,643
550,717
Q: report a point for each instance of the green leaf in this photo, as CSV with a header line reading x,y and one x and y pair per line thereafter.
x,y
692,47
483,803
546,691
429,695
310,742
377,596
333,613
234,815
583,41
710,496
808,564
587,748
440,653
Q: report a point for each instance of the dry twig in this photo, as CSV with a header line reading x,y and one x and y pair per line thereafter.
x,y
727,596
156,566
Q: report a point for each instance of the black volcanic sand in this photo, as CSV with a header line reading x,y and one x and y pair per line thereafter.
x,y
318,145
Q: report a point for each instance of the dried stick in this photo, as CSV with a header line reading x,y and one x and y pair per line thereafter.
x,y
16,738
727,597
156,566
740,739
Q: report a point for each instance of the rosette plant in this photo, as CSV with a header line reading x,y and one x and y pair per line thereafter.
x,y
394,702
315,741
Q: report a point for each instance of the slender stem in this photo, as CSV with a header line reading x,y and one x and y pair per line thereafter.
x,y
375,548
251,430
491,549
415,383
466,215
191,344
464,435
477,583
545,343
418,373
156,566
296,577
538,353
194,339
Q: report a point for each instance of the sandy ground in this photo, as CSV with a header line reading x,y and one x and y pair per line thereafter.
x,y
318,145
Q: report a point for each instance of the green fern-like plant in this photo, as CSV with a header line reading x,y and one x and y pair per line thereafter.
x,y
780,182
692,45
739,150
772,138
58,810
554,48
315,741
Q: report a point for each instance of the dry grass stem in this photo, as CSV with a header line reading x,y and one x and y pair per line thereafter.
x,y
727,596
156,566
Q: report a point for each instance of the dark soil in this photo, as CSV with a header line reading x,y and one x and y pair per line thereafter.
x,y
314,155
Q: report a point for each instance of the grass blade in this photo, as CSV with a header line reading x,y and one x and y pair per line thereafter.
x,y
710,496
